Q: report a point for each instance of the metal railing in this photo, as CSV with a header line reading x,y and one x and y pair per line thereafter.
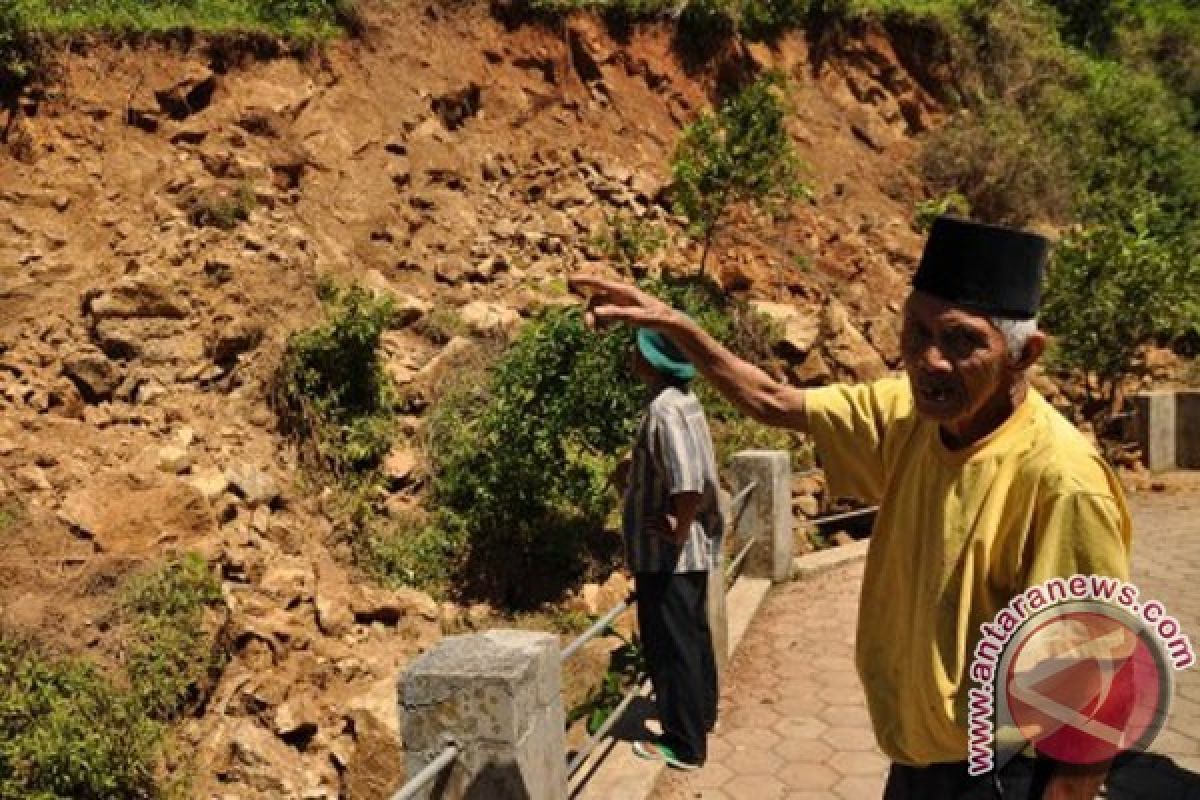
x,y
431,771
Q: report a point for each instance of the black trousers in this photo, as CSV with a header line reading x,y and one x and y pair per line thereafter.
x,y
1020,779
677,642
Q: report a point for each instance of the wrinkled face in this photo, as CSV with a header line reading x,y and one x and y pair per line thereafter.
x,y
956,360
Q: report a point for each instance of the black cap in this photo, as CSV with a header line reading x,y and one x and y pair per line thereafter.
x,y
987,268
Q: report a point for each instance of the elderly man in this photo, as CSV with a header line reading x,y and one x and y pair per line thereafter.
x,y
983,490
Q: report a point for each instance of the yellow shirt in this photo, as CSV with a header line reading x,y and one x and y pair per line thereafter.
x,y
958,535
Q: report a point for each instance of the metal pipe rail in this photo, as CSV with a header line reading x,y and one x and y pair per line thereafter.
x,y
577,760
858,512
431,770
598,627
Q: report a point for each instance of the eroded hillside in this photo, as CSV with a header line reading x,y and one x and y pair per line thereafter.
x,y
450,158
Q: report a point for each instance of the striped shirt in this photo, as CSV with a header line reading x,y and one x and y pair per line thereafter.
x,y
673,453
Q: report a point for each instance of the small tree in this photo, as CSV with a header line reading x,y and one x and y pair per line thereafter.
x,y
740,153
1116,286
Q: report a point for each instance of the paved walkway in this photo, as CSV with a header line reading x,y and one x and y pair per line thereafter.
x,y
794,725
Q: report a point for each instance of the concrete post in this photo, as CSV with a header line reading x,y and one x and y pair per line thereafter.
x,y
767,514
1155,429
498,695
1187,429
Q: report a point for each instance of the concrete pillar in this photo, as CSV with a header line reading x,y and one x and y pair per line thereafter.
x,y
499,696
1155,429
1187,428
767,514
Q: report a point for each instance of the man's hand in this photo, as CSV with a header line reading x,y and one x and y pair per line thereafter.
x,y
667,527
676,525
613,301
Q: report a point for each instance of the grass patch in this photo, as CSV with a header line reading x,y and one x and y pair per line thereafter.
x,y
300,19
172,661
69,732
331,390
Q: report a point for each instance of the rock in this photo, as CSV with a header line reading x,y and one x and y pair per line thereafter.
x,y
407,308
296,721
174,459
332,598
135,297
210,482
390,606
399,466
848,348
91,371
291,581
812,371
452,270
798,330
32,479
806,505
120,515
261,761
373,770
489,319
253,485
230,338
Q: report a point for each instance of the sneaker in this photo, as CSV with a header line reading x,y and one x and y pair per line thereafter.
x,y
660,752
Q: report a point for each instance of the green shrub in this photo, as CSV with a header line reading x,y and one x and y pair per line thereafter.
x,y
929,210
332,390
767,19
523,459
1114,287
422,552
740,153
1003,166
630,240
221,208
171,659
66,732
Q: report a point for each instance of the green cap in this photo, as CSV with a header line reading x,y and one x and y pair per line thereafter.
x,y
662,354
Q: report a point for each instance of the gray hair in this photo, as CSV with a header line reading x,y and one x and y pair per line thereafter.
x,y
1016,334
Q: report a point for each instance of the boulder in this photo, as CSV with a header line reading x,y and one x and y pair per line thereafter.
x,y
121,515
93,373
135,297
489,319
253,485
848,349
798,330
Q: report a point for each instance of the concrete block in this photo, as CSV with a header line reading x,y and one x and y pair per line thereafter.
x,y
767,514
1187,428
1155,429
499,696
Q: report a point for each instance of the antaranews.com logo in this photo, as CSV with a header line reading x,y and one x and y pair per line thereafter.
x,y
1076,667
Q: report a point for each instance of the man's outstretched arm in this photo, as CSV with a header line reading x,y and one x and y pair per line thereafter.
x,y
742,383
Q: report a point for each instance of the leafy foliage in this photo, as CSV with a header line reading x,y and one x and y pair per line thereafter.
x,y
332,390
629,239
523,460
742,153
1137,286
67,733
627,668
171,656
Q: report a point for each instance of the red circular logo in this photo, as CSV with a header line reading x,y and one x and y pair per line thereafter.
x,y
1085,682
